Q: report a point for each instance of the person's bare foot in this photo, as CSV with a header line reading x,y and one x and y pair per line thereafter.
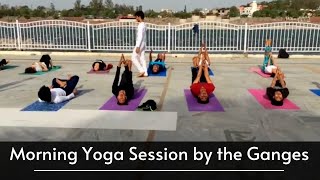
x,y
75,91
141,74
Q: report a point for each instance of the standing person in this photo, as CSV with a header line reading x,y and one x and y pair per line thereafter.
x,y
138,55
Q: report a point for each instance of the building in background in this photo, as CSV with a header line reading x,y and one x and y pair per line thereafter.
x,y
248,10
169,11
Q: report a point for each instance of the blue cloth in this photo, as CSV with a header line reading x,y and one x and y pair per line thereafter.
x,y
196,29
44,106
161,64
315,91
267,49
162,73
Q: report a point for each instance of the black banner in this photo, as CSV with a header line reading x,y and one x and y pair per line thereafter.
x,y
159,160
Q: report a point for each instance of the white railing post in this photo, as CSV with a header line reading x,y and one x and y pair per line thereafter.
x,y
245,38
89,37
18,34
169,37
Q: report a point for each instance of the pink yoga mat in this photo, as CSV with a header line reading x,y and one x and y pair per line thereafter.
x,y
111,104
261,97
213,105
259,71
98,72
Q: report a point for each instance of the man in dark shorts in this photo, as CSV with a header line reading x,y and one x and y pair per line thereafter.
x,y
202,86
125,90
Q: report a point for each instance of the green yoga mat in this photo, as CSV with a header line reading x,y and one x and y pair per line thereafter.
x,y
55,68
8,67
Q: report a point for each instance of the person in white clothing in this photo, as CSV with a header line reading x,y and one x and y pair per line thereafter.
x,y
138,55
59,91
45,64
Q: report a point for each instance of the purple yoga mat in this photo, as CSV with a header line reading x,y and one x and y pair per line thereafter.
x,y
213,105
111,104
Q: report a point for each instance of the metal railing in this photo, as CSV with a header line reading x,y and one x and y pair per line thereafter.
x,y
121,36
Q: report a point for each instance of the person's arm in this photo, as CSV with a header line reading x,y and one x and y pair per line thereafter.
x,y
207,56
200,51
60,99
273,83
140,35
206,74
280,77
198,75
273,60
116,81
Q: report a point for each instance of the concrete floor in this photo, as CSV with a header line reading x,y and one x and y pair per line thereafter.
x,y
243,120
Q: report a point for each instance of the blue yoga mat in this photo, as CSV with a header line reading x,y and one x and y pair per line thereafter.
x,y
316,91
161,74
210,71
44,106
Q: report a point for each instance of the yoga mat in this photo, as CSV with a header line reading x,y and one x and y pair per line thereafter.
x,y
55,68
44,106
133,104
315,91
213,105
161,74
8,67
98,72
210,72
261,97
259,71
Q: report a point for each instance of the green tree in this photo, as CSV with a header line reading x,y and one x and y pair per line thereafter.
x,y
52,9
151,13
77,5
108,4
234,12
182,15
196,11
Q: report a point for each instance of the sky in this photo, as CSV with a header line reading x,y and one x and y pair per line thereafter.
x,y
146,4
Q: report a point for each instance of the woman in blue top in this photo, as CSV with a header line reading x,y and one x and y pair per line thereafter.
x,y
157,65
269,65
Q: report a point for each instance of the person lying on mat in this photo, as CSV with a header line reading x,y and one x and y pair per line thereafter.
x,y
157,65
202,85
277,91
3,62
123,91
99,65
45,64
59,91
269,65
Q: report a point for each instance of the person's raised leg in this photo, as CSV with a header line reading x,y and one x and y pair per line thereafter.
x,y
71,84
58,83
